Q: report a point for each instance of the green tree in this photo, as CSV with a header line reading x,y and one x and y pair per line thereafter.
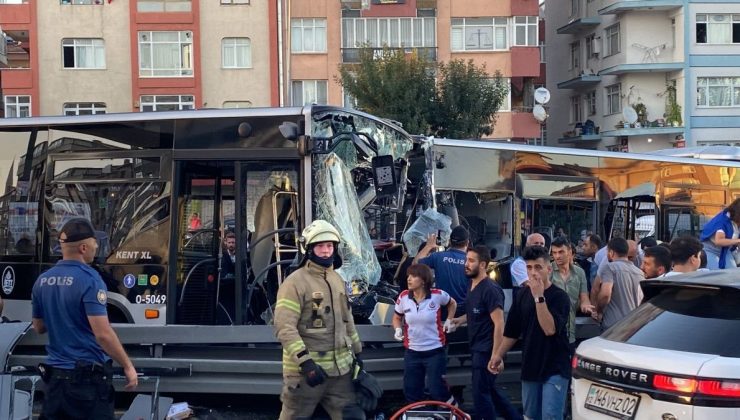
x,y
461,102
391,84
468,99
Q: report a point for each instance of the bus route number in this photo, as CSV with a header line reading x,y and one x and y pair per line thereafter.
x,y
151,299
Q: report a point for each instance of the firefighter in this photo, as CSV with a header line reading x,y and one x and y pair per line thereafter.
x,y
314,324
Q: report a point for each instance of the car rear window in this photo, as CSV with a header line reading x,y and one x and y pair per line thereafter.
x,y
696,320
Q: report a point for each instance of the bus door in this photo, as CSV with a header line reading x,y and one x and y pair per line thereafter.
x,y
236,224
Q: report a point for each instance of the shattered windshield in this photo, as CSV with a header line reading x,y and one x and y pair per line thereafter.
x,y
355,140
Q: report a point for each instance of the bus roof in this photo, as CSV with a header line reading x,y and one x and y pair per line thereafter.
x,y
494,145
704,152
58,120
21,124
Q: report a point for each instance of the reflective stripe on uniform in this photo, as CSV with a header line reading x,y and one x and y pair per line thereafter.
x,y
289,304
295,347
330,361
355,337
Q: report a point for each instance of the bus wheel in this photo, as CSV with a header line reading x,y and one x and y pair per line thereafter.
x,y
116,316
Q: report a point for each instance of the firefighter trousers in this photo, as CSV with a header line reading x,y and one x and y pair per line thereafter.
x,y
300,400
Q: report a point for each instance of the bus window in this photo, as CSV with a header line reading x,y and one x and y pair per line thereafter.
x,y
20,192
129,212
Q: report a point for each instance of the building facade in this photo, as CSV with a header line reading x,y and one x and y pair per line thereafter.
x,y
320,35
136,55
154,55
643,75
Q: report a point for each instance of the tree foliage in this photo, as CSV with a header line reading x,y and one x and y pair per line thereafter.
x,y
468,99
461,102
390,84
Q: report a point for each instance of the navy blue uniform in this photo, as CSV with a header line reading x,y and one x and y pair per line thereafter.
x,y
486,297
63,297
449,275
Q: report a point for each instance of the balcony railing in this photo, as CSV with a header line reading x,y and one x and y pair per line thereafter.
x,y
352,55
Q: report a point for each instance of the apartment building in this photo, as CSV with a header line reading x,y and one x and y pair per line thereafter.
x,y
673,62
320,35
94,56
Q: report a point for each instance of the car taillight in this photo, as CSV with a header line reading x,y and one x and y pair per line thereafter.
x,y
673,384
719,388
574,362
707,387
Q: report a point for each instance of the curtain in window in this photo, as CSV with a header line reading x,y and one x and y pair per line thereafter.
x,y
456,39
406,39
429,31
384,38
500,38
720,91
360,37
296,36
419,32
320,35
348,33
521,35
719,30
372,33
532,34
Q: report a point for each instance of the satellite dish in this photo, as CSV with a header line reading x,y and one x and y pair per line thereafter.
x,y
629,114
542,95
539,113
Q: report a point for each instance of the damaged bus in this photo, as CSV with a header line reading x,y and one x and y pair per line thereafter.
x,y
165,190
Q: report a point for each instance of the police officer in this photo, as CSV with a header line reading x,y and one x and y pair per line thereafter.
x,y
69,301
448,266
314,324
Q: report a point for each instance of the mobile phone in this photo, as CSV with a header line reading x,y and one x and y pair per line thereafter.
x,y
439,238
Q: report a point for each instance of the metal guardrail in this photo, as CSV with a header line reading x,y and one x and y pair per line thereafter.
x,y
248,359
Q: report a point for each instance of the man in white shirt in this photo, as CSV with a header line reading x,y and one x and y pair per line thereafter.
x,y
519,267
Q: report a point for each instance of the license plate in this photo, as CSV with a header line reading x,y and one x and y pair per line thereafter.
x,y
612,402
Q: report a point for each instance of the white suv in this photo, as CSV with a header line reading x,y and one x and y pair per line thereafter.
x,y
677,356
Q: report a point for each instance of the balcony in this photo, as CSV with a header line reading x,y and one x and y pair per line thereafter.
x,y
581,81
523,124
352,55
641,68
582,139
14,13
643,131
17,79
525,61
579,25
639,5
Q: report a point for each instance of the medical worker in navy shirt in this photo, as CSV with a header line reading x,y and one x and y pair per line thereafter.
x,y
448,266
69,302
418,323
484,314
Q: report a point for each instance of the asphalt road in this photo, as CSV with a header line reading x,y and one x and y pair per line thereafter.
x,y
267,407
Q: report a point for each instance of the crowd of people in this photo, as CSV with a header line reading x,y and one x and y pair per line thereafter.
x,y
552,286
446,290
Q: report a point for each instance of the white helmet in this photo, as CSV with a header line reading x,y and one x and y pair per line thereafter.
x,y
320,231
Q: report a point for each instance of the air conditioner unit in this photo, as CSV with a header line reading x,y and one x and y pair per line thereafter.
x,y
595,47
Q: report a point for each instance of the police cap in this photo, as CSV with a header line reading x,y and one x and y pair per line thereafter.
x,y
77,229
459,234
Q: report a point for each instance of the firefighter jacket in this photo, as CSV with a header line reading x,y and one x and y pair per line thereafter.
x,y
313,320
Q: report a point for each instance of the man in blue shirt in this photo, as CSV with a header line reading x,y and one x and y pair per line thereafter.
x,y
448,266
69,302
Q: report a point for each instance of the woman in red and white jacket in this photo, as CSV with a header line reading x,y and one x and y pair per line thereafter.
x,y
418,323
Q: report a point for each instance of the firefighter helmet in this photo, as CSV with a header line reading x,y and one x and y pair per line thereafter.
x,y
320,231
